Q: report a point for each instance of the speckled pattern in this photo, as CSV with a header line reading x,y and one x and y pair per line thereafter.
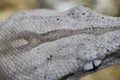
x,y
47,45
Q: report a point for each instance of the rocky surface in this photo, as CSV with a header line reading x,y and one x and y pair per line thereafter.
x,y
51,45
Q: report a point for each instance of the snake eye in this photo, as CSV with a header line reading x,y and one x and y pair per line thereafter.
x,y
92,66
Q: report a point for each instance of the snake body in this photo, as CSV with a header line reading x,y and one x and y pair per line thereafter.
x,y
36,46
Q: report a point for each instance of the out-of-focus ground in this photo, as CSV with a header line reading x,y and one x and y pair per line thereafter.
x,y
111,73
106,7
8,7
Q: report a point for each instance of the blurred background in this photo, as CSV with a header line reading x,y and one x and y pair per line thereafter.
x,y
106,7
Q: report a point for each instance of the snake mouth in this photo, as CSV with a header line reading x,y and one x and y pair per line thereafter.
x,y
92,65
97,64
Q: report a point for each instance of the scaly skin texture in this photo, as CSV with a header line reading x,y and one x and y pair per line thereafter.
x,y
55,34
36,45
